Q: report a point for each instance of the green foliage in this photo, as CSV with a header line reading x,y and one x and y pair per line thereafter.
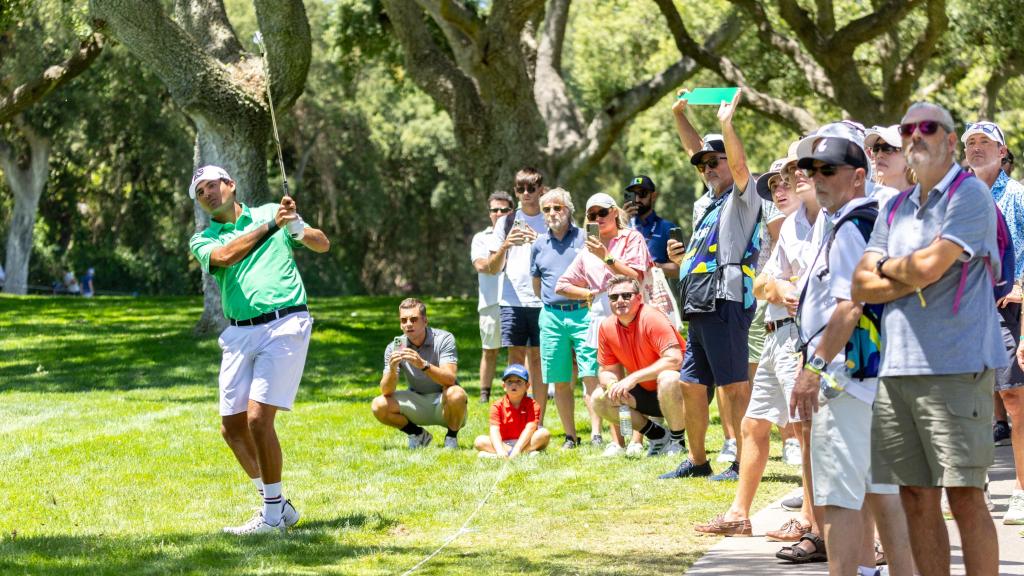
x,y
114,461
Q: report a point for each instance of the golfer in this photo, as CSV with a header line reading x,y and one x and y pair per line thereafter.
x,y
250,257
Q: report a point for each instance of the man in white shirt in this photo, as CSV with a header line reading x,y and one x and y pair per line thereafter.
x,y
498,204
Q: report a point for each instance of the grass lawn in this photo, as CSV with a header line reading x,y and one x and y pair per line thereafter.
x,y
111,461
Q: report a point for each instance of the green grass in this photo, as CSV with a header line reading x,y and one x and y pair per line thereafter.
x,y
111,461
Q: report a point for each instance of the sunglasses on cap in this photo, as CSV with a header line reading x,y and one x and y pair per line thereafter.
x,y
988,128
500,210
826,170
625,296
602,213
925,127
883,148
552,208
524,189
710,164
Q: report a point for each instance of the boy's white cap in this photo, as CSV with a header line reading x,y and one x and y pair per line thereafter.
x,y
210,172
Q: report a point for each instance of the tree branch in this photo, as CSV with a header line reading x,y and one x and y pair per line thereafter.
x,y
207,22
560,113
800,21
826,16
27,94
455,16
285,29
869,26
912,66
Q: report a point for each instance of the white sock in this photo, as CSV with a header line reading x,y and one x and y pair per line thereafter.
x,y
258,483
273,503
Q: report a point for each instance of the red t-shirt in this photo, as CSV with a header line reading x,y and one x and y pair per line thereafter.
x,y
511,421
638,345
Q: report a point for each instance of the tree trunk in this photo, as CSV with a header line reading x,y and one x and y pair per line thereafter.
x,y
27,180
238,148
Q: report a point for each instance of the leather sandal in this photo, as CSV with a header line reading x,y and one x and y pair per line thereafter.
x,y
798,555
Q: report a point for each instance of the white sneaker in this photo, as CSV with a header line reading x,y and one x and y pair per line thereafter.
x,y
988,499
256,525
451,443
483,454
289,514
1015,513
634,450
657,447
421,440
728,453
791,454
675,447
613,450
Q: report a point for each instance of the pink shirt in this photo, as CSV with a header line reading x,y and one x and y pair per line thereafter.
x,y
589,271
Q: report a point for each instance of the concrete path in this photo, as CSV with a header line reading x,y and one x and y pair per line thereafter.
x,y
757,556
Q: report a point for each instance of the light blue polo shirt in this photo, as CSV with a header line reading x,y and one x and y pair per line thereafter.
x,y
549,259
931,340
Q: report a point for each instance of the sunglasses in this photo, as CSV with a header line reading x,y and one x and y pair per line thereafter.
x,y
602,213
500,210
710,164
826,170
524,189
555,208
626,296
883,148
926,127
641,193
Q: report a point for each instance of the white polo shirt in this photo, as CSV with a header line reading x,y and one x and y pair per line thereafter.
x,y
790,257
828,279
484,243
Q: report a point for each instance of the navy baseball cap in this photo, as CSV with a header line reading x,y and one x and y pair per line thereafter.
x,y
837,152
641,183
713,143
516,370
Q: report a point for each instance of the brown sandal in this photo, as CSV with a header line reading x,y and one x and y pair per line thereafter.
x,y
798,555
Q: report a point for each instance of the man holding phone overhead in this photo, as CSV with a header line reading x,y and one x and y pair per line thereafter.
x,y
427,360
638,203
716,284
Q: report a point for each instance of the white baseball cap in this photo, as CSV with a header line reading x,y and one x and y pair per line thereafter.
x,y
990,129
209,172
889,134
601,199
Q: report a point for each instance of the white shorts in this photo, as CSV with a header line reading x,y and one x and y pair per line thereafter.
x,y
263,363
841,454
490,327
775,377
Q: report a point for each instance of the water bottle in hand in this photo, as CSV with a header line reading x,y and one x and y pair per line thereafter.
x,y
625,423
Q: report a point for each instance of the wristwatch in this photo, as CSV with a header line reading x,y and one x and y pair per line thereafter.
x,y
817,363
426,367
609,259
878,266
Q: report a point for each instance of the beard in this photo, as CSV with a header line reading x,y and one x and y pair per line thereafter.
x,y
919,155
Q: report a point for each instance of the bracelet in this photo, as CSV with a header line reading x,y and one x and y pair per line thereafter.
x,y
812,369
272,226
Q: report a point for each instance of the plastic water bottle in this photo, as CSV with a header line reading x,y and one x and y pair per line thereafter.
x,y
625,423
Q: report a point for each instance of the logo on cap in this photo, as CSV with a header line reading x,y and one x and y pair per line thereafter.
x,y
822,145
638,180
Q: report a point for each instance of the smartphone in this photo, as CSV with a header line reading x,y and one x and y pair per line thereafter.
x,y
628,197
676,234
593,229
399,343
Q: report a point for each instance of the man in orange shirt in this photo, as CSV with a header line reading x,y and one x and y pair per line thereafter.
x,y
642,342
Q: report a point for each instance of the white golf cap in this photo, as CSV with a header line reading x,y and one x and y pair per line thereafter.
x,y
990,129
845,129
601,199
210,172
889,134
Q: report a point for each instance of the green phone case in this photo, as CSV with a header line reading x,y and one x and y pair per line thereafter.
x,y
709,96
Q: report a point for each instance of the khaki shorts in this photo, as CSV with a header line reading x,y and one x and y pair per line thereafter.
x,y
756,335
490,328
422,409
933,430
775,377
841,454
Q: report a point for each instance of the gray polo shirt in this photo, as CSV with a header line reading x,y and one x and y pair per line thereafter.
x,y
930,340
739,216
438,348
550,257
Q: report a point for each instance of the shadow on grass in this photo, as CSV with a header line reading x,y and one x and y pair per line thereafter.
x,y
74,345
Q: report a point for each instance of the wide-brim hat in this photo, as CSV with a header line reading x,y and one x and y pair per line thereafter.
x,y
763,189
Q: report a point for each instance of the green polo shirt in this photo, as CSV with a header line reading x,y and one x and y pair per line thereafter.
x,y
266,279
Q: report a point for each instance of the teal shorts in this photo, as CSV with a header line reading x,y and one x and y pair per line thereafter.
x,y
562,332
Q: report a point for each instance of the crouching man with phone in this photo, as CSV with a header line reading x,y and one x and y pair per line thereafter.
x,y
427,359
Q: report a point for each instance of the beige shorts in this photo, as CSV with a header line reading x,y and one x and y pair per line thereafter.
x,y
934,430
841,454
757,334
490,328
263,363
775,377
422,409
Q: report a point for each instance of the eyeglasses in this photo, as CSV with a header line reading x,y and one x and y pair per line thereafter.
x,y
883,148
500,210
553,208
602,213
626,296
826,170
926,127
712,164
526,189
